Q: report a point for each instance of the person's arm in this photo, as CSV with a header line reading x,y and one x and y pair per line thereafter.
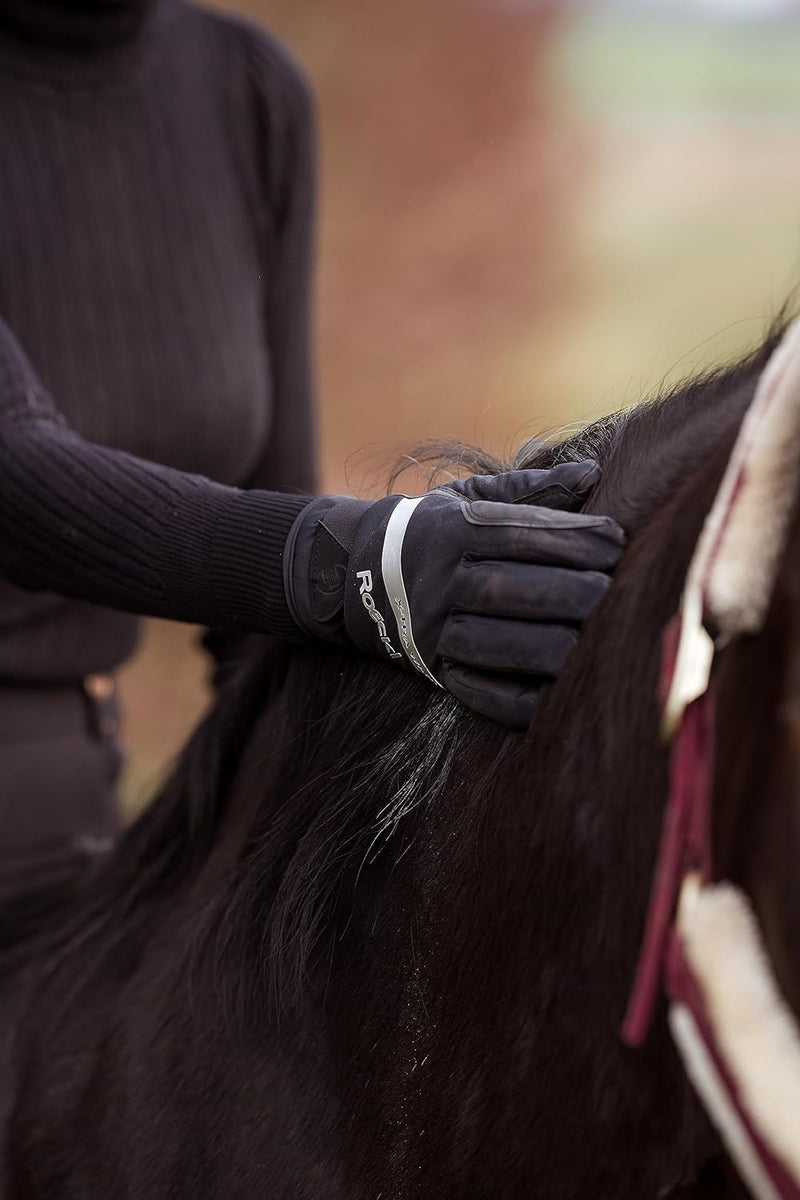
x,y
474,586
100,525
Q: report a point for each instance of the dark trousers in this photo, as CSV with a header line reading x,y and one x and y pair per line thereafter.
x,y
59,766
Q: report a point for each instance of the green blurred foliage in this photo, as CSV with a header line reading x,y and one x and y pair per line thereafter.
x,y
675,63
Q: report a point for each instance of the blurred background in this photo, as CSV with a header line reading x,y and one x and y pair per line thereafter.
x,y
531,213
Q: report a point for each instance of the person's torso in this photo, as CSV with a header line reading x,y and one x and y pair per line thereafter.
x,y
133,227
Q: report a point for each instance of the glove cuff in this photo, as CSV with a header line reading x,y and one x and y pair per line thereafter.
x,y
315,564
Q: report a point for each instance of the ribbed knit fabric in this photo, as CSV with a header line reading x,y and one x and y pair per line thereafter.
x,y
155,226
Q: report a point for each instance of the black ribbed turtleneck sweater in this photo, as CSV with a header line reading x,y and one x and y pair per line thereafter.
x,y
155,224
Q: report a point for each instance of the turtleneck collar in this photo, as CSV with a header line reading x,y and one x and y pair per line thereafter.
x,y
75,27
96,44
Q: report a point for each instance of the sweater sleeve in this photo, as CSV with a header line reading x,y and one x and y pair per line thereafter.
x,y
286,154
98,524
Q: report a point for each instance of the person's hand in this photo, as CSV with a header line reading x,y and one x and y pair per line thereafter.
x,y
480,585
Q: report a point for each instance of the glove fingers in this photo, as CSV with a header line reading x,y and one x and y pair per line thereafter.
x,y
527,592
566,482
508,701
519,647
542,535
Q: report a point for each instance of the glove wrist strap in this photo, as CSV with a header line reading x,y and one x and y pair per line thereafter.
x,y
315,564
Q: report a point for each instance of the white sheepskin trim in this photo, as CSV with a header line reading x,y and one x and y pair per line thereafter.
x,y
703,1073
693,661
754,1028
733,568
747,526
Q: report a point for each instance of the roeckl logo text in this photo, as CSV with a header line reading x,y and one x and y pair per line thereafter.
x,y
365,592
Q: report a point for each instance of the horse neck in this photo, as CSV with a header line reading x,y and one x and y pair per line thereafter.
x,y
597,778
320,769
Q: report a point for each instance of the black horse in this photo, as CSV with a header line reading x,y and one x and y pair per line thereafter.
x,y
369,946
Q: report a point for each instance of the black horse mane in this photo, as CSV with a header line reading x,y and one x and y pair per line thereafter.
x,y
313,764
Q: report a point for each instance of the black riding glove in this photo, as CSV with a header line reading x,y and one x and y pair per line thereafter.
x,y
480,585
